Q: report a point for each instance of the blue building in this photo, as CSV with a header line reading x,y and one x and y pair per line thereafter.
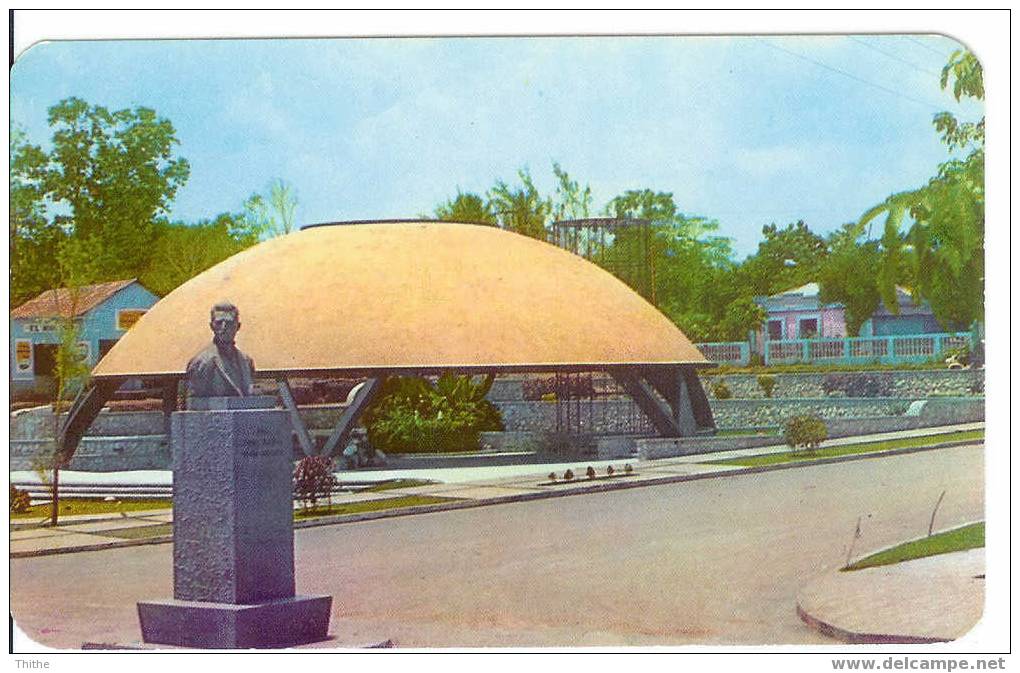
x,y
103,313
912,319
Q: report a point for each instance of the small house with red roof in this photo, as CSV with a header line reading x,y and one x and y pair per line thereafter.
x,y
103,313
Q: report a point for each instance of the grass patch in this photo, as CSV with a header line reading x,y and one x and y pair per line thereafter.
x,y
761,432
73,506
958,539
391,484
370,506
851,449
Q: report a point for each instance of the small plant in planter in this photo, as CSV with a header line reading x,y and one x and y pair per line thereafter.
x,y
314,480
610,470
590,472
568,475
805,433
767,383
552,476
627,469
721,391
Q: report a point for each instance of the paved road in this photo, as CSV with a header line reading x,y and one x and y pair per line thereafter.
x,y
713,561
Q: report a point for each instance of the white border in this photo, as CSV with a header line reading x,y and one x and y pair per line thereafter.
x,y
986,33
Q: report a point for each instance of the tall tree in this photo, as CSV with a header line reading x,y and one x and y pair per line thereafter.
x,y
272,214
944,244
465,207
786,257
33,241
182,251
572,201
690,265
520,208
846,277
117,173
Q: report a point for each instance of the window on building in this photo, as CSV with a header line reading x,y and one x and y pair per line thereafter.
x,y
775,330
808,328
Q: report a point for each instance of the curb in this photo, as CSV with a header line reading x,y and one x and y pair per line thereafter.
x,y
858,638
525,497
855,638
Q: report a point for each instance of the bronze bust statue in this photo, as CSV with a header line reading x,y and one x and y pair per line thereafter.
x,y
220,369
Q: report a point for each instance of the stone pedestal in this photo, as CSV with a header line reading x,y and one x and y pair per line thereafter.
x,y
233,534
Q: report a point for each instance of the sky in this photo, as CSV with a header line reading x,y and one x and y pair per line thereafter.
x,y
745,130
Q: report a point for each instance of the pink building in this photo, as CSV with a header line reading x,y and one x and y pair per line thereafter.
x,y
798,314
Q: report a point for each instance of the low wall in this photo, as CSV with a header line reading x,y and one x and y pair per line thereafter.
x,y
99,454
38,423
930,416
732,414
922,383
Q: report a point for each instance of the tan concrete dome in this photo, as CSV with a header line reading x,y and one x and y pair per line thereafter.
x,y
406,295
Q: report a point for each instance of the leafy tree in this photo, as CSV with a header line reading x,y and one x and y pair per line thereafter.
x,y
690,265
786,257
572,202
465,207
944,244
846,278
117,173
182,251
739,317
269,215
520,208
33,242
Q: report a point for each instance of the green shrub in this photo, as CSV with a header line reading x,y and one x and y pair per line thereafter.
x,y
314,480
956,356
720,390
413,415
568,475
767,383
20,500
805,433
590,472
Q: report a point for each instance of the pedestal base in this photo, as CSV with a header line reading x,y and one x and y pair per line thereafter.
x,y
274,624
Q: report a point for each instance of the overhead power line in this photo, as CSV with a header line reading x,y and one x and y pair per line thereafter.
x,y
927,46
894,56
860,80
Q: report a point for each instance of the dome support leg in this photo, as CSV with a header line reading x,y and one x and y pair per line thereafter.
x,y
350,416
300,429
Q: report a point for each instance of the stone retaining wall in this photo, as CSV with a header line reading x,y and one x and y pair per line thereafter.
x,y
917,384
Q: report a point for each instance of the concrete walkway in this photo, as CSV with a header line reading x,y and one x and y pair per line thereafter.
x,y
452,489
934,599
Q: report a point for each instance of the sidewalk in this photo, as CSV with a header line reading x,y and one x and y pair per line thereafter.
x,y
927,600
453,488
